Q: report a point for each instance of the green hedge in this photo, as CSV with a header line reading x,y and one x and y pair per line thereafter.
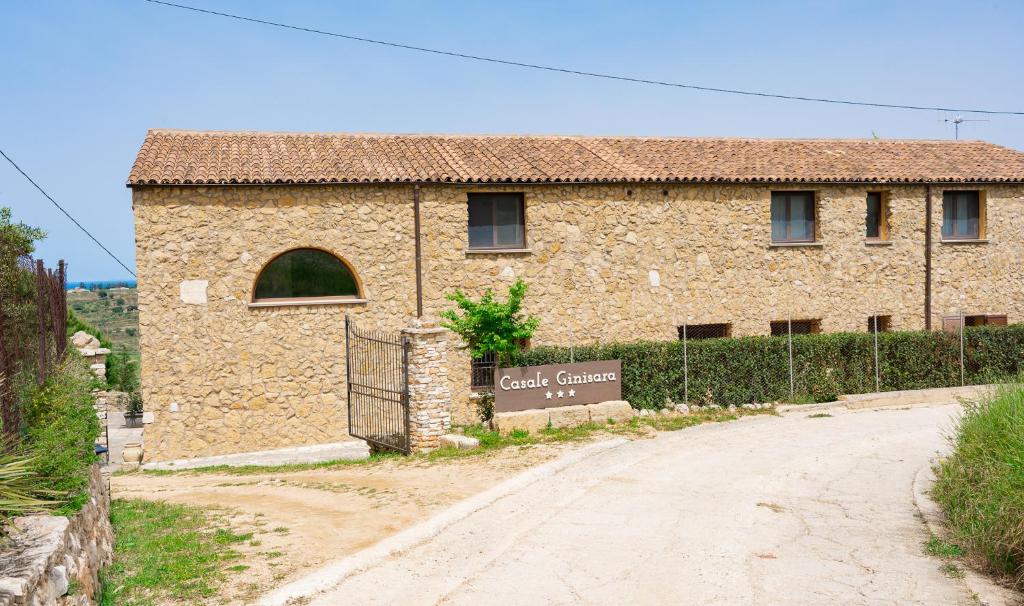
x,y
756,369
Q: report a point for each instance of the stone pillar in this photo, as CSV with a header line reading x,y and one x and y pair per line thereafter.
x,y
430,401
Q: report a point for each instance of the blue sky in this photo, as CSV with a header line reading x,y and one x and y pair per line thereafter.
x,y
83,80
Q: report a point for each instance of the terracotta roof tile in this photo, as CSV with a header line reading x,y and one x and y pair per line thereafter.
x,y
190,157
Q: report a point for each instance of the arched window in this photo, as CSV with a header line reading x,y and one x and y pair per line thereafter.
x,y
305,273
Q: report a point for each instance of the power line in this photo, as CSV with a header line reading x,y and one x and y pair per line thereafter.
x,y
66,213
576,72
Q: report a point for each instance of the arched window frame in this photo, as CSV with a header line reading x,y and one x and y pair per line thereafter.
x,y
327,300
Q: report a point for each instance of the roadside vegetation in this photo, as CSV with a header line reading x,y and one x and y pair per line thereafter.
x,y
166,553
48,426
981,486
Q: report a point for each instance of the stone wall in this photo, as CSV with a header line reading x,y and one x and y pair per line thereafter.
x,y
430,411
55,560
604,262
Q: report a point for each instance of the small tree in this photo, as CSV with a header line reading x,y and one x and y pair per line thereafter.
x,y
488,325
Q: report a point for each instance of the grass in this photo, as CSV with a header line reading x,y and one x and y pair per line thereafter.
x,y
981,486
491,441
942,549
820,415
952,571
165,553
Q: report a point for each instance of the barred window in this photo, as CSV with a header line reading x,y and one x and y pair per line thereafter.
x,y
781,328
705,331
483,372
879,323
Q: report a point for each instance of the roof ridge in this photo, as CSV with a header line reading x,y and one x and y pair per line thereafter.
x,y
395,135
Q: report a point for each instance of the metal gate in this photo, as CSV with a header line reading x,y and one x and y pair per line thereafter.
x,y
377,366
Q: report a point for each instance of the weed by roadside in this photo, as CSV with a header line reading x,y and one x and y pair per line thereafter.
x,y
819,415
165,553
981,486
942,549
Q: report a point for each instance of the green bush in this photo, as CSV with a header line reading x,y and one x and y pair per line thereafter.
x,y
61,432
19,487
756,369
981,486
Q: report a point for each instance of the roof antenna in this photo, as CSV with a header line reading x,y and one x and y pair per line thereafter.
x,y
957,121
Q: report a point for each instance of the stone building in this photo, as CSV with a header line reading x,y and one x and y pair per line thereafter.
x,y
253,247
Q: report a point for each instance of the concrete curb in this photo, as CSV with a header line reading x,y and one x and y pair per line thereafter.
x,y
986,590
894,399
349,450
332,575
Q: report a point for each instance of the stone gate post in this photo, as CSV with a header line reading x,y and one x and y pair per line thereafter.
x,y
430,400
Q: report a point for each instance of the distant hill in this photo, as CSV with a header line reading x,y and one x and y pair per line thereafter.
x,y
113,311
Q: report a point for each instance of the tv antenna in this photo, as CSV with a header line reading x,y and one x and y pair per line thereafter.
x,y
957,121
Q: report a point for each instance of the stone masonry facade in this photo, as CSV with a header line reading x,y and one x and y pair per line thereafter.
x,y
430,414
615,261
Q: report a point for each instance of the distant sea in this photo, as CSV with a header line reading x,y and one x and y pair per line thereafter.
x,y
98,284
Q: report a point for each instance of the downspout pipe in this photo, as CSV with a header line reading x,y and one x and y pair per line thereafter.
x,y
419,248
928,256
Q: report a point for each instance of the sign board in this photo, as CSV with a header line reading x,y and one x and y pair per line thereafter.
x,y
554,385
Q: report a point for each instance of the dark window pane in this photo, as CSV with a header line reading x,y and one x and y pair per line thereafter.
x,y
792,216
961,214
779,232
305,272
508,221
481,230
496,221
874,216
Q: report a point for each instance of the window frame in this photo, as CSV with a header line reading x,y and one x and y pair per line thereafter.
x,y
356,298
702,331
979,199
788,194
813,325
884,323
521,246
883,217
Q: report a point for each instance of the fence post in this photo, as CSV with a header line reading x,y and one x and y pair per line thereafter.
x,y
962,347
789,332
60,309
878,381
686,368
41,370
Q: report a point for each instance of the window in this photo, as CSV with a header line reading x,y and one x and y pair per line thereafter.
x,y
780,328
876,220
961,215
792,216
483,372
879,323
704,331
305,273
496,221
952,323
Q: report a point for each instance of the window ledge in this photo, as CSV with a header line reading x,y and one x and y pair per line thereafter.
x,y
498,251
877,242
964,241
310,301
796,245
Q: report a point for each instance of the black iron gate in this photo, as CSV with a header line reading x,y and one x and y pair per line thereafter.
x,y
378,387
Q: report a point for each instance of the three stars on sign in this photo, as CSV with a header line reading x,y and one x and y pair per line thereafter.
x,y
572,393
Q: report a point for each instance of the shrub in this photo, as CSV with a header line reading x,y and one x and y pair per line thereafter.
x,y
120,369
981,486
756,369
61,432
19,486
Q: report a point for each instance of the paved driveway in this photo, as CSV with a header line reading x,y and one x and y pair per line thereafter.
x,y
791,510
